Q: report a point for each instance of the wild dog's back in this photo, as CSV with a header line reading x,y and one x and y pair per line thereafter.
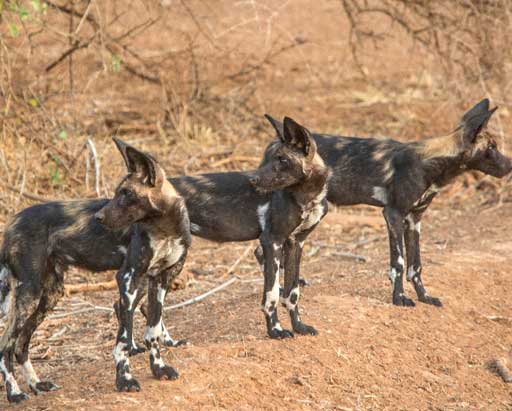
x,y
65,231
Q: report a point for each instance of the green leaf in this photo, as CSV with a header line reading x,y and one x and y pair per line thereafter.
x,y
13,30
23,13
56,176
63,135
36,5
116,63
33,102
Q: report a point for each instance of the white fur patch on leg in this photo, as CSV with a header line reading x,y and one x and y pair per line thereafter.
x,y
9,378
29,374
293,298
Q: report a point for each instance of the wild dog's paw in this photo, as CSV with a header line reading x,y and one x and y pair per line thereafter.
x,y
427,299
303,282
165,373
124,384
174,343
403,301
43,386
17,398
279,334
304,329
135,350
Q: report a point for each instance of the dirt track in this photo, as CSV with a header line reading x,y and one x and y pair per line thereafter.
x,y
369,355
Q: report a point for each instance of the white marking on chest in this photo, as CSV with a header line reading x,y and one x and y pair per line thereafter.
x,y
380,194
166,252
262,215
313,212
122,249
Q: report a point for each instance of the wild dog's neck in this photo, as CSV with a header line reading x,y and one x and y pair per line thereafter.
x,y
442,170
169,207
313,187
443,158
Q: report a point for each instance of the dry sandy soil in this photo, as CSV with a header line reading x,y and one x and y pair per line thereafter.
x,y
369,355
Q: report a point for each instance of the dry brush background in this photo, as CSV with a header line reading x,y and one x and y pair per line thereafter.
x,y
190,80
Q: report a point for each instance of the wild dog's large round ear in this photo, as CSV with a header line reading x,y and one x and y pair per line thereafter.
x,y
479,108
278,125
472,126
121,146
141,163
298,137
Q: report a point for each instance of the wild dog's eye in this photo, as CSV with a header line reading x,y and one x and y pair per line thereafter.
x,y
282,160
126,193
492,146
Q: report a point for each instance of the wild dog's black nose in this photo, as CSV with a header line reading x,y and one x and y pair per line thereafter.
x,y
99,216
254,180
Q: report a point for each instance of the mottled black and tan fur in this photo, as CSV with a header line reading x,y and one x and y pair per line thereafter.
x,y
403,178
280,203
42,241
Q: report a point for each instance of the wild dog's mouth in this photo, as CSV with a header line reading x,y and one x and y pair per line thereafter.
x,y
263,185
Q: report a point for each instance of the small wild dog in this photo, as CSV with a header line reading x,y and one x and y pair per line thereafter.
x,y
404,178
280,204
41,242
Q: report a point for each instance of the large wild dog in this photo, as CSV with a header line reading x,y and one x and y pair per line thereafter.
x,y
42,241
403,178
280,204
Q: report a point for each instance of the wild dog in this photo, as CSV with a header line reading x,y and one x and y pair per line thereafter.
x,y
42,241
404,178
280,203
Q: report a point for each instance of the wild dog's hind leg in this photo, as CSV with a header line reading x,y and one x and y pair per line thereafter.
x,y
22,304
52,293
291,292
156,295
395,224
412,244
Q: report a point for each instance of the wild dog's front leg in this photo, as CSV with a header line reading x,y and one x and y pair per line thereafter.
x,y
291,292
414,267
153,334
395,224
272,252
128,283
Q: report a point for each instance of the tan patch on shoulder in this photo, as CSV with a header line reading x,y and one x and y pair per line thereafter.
x,y
449,145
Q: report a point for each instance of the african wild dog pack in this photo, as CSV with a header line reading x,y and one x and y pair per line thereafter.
x,y
144,231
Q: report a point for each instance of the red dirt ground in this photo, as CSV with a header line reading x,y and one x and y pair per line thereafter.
x,y
369,355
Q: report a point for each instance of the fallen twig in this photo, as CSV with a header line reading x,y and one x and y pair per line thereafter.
x,y
80,288
239,259
502,369
202,296
94,154
350,255
30,196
